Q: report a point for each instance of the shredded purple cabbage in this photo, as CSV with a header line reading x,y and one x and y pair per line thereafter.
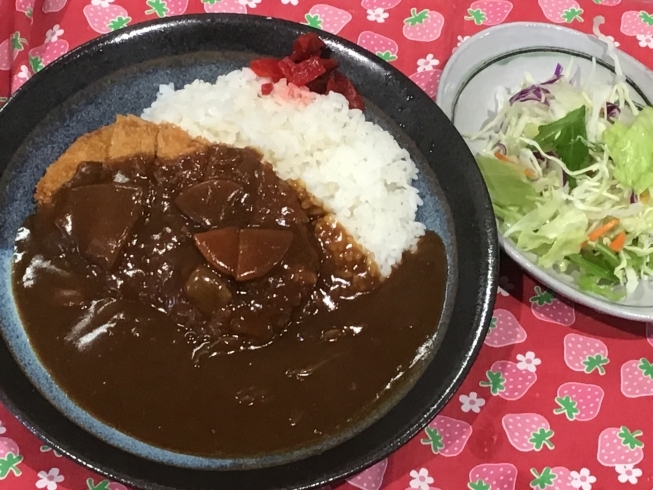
x,y
534,92
634,197
537,92
557,75
612,111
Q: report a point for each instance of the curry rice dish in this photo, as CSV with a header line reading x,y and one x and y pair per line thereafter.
x,y
179,291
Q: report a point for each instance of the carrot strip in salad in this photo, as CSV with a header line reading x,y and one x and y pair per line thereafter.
x,y
527,171
603,229
618,243
500,156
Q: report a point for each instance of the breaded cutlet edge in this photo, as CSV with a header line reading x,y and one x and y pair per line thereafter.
x,y
128,136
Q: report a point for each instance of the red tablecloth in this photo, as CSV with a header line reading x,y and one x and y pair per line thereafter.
x,y
559,398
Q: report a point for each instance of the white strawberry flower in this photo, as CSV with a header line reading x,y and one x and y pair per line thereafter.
x,y
420,479
461,39
290,2
528,362
582,479
249,3
53,34
23,72
628,473
616,43
427,64
377,15
645,40
49,480
3,429
101,3
471,402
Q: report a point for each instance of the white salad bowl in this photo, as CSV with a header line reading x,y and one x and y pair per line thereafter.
x,y
499,57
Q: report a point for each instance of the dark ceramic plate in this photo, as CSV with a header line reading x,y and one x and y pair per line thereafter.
x,y
120,73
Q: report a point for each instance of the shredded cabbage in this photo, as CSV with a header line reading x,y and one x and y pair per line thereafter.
x,y
569,166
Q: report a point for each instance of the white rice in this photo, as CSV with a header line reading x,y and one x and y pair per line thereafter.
x,y
356,169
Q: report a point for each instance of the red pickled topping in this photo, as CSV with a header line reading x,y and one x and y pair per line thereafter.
x,y
319,85
286,66
307,45
309,65
307,71
267,67
266,88
329,64
339,83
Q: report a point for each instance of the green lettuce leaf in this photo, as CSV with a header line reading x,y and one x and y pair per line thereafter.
x,y
566,137
557,238
631,149
507,184
535,218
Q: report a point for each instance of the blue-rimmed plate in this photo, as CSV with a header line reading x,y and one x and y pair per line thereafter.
x,y
120,73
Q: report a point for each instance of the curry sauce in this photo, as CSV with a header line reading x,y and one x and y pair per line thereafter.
x,y
200,304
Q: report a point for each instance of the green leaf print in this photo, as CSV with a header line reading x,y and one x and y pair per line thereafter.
x,y
478,485
496,382
571,15
630,439
157,7
18,43
646,367
477,15
542,297
541,438
36,62
567,406
314,20
386,56
9,464
91,485
595,363
119,22
434,440
544,479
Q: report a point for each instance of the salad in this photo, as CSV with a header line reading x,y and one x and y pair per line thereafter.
x,y
569,167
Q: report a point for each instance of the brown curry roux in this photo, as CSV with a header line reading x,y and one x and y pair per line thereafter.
x,y
182,293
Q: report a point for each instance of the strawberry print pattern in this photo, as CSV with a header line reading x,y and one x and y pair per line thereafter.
x,y
447,436
103,16
528,431
502,476
548,308
579,401
618,445
577,382
504,330
585,354
489,12
505,379
637,378
371,478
